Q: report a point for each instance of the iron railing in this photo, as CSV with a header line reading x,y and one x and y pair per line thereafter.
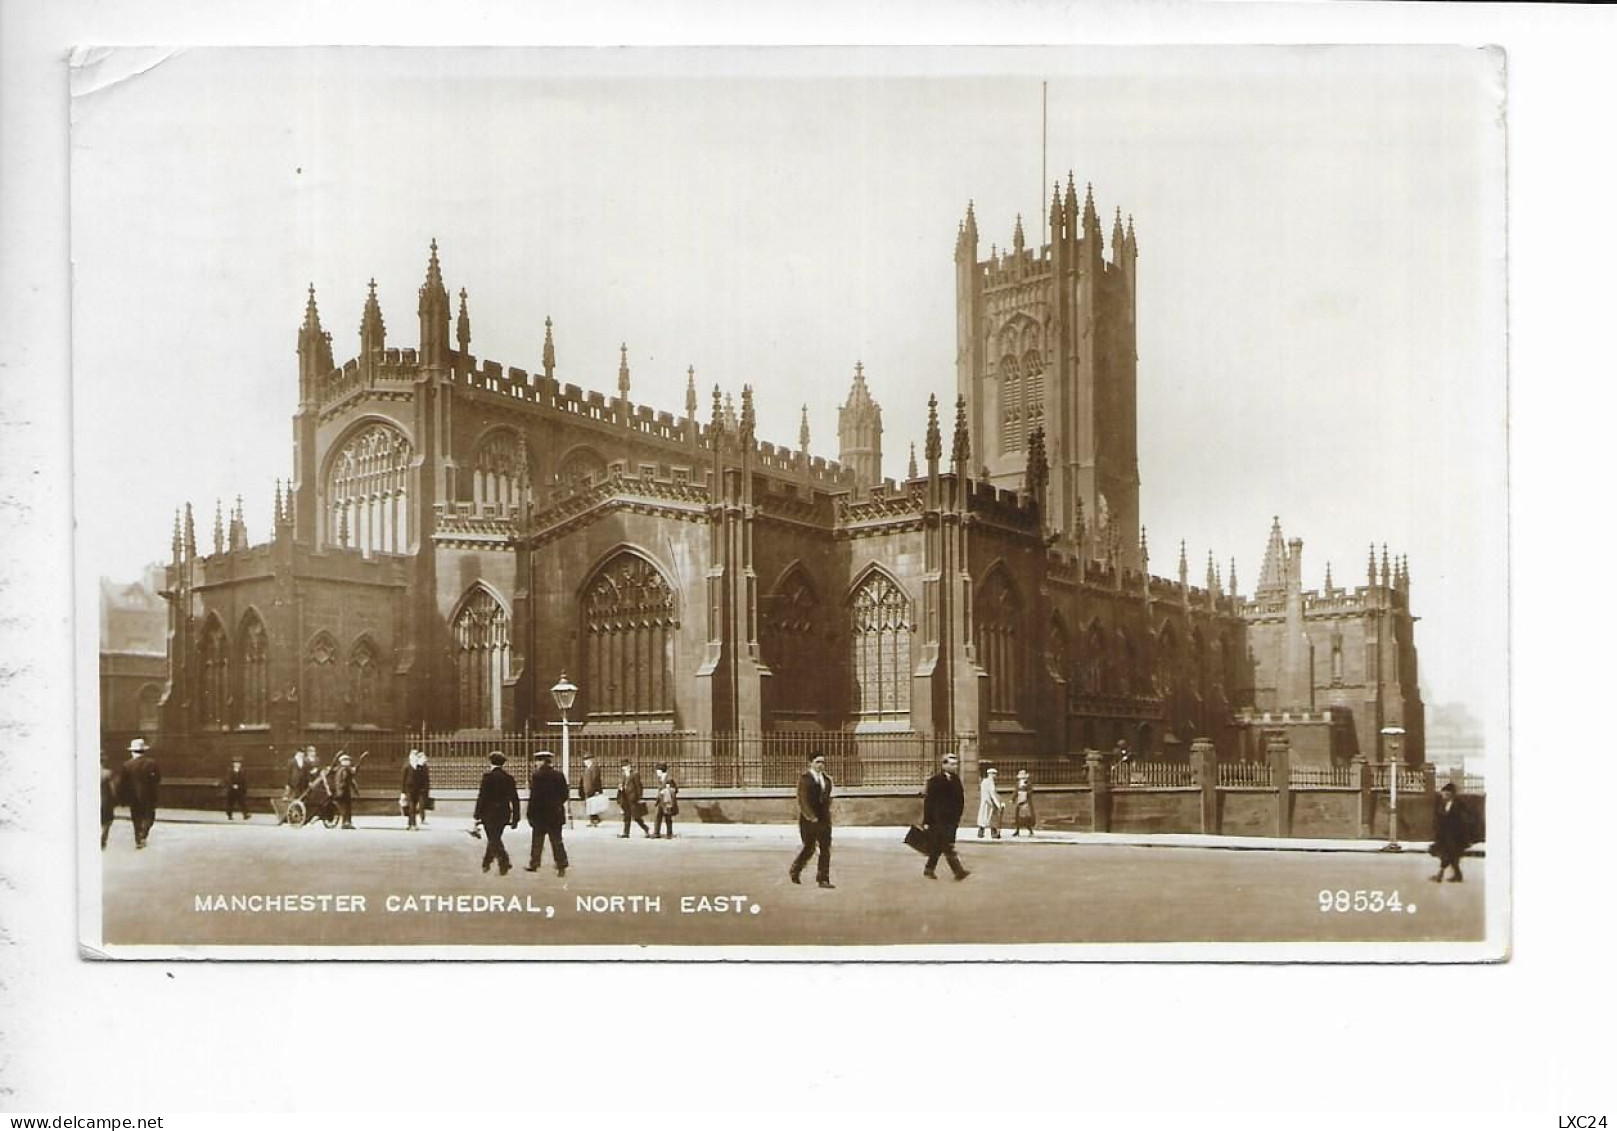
x,y
1249,775
1333,777
1154,775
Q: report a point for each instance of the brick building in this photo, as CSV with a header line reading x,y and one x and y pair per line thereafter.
x,y
457,533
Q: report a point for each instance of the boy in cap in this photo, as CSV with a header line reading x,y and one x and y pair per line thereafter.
x,y
236,790
344,788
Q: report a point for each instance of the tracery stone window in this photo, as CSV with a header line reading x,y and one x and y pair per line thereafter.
x,y
320,691
999,615
481,632
583,468
628,627
500,471
367,492
881,632
254,672
1032,391
364,683
1011,425
214,689
792,633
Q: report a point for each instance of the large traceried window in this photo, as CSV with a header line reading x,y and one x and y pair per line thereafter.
x,y
320,688
214,689
367,492
1032,391
500,472
482,637
999,615
880,633
628,627
365,683
254,672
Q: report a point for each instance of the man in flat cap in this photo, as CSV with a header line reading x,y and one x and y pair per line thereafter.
x,y
138,785
547,812
498,806
1451,833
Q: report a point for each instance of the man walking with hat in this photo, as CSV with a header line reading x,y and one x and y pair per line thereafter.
x,y
547,812
139,782
814,821
945,802
498,806
236,790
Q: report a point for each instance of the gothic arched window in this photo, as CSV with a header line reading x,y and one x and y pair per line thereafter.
x,y
254,710
1033,389
367,492
999,615
481,633
582,468
880,634
320,692
791,642
1011,430
500,471
628,622
365,683
214,690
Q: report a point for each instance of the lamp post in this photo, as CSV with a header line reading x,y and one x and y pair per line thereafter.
x,y
564,693
1392,735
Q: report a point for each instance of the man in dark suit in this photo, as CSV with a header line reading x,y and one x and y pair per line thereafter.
x,y
498,806
236,791
945,802
415,788
109,800
1451,833
630,790
589,786
547,812
814,821
139,782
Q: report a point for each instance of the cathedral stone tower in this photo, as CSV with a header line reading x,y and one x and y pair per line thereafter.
x,y
1046,339
859,432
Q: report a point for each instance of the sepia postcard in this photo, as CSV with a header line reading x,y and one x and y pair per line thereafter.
x,y
809,504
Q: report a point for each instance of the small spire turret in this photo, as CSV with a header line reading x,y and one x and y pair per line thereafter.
x,y
1017,239
1329,586
1145,554
1212,575
372,329
803,432
1091,217
1234,592
1372,567
190,534
548,358
914,472
175,543
218,528
934,437
463,327
1117,237
623,370
1272,577
960,456
1184,566
1386,577
749,420
690,392
717,423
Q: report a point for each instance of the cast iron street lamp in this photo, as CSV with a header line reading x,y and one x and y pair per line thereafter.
x,y
1392,735
564,693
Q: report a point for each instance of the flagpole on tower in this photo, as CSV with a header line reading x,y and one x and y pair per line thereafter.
x,y
1044,161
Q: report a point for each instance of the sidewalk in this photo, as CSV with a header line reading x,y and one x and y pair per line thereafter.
x,y
788,833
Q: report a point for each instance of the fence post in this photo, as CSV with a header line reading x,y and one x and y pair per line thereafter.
x,y
1100,792
1280,770
1363,780
1204,763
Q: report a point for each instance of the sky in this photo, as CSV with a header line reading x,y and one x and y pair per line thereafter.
x,y
1321,267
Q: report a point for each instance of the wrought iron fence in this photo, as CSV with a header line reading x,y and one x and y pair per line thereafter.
x,y
1409,780
1258,775
1335,777
1160,775
1063,769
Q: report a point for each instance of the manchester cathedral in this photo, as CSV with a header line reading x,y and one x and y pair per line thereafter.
x,y
456,533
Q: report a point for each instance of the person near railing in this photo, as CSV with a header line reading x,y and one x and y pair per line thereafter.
x,y
498,806
944,805
236,790
109,799
547,812
345,787
990,804
1451,833
591,792
1022,799
630,794
667,801
814,821
415,789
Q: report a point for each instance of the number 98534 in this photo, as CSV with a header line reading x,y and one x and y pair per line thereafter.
x,y
1372,902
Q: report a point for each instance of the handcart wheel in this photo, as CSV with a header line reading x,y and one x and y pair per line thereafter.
x,y
332,818
296,814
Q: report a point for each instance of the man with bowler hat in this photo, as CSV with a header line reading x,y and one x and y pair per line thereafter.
x,y
1451,833
630,790
498,806
814,821
945,802
547,812
139,782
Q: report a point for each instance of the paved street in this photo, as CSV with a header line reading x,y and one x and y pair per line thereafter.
x,y
424,888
